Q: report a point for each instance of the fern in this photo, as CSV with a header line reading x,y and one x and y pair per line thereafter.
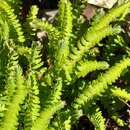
x,y
119,121
45,117
13,20
112,15
32,101
36,60
121,93
52,105
95,116
14,106
10,84
86,42
100,84
62,121
85,67
49,84
66,32
30,18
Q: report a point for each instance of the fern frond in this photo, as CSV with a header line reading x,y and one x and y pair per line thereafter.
x,y
13,21
45,116
33,102
36,59
32,16
66,19
17,5
33,13
53,35
95,116
52,104
86,42
10,120
11,68
66,31
113,105
3,63
44,25
101,83
4,29
117,119
84,67
3,103
62,121
67,124
23,50
56,95
109,17
121,93
61,13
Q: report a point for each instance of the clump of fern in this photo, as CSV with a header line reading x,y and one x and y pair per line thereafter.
x,y
50,85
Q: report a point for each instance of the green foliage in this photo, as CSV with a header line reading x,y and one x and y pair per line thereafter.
x,y
49,84
121,93
13,106
95,116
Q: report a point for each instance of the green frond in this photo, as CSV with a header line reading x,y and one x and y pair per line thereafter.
x,y
66,32
52,33
56,95
3,103
61,13
11,68
67,124
53,85
33,13
111,103
85,67
52,104
101,83
112,15
3,64
117,119
17,5
45,26
82,68
120,93
45,116
87,41
66,19
23,50
47,80
35,59
32,101
10,120
95,116
4,29
62,121
32,16
13,21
